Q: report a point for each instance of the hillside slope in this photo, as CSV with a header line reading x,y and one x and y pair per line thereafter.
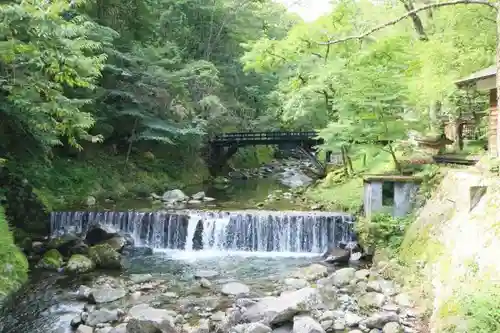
x,y
453,247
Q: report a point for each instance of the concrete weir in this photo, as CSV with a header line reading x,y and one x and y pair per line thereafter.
x,y
247,230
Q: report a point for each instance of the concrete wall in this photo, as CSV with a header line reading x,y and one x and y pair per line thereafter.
x,y
403,198
404,193
372,197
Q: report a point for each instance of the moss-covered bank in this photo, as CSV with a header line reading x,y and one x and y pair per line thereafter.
x,y
13,263
452,247
67,181
448,255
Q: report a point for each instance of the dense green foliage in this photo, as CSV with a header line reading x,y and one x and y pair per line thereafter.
x,y
92,88
382,231
479,309
13,263
384,86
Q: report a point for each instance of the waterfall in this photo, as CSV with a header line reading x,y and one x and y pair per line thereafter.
x,y
263,231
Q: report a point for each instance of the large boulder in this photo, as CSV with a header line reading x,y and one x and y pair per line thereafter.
x,y
105,257
99,233
173,196
51,260
79,264
311,272
116,242
276,310
102,316
63,244
306,324
106,294
145,319
336,255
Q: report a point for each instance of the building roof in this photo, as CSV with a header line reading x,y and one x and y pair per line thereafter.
x,y
482,74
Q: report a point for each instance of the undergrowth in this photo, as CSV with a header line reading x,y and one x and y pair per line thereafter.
x,y
62,182
382,231
13,263
67,181
473,310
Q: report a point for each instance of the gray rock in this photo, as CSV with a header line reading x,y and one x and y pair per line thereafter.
x,y
362,274
306,324
140,278
390,308
339,324
203,326
218,316
174,196
276,310
251,328
371,300
327,324
106,294
78,263
235,289
101,316
207,274
392,327
336,255
105,330
76,321
403,300
378,320
204,283
105,256
194,202
145,319
83,292
198,196
355,331
311,273
84,329
287,328
352,319
295,283
343,276
382,286
374,286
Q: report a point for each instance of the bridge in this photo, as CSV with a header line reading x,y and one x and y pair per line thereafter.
x,y
223,146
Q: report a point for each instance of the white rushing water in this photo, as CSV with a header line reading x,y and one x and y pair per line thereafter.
x,y
218,232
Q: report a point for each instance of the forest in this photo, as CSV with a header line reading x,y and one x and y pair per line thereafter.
x,y
117,98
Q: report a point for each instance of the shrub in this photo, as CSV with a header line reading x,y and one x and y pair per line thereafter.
x,y
382,231
13,263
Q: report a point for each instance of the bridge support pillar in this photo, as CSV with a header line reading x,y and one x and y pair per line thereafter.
x,y
328,157
218,157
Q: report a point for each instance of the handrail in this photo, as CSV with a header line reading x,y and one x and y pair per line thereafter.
x,y
263,135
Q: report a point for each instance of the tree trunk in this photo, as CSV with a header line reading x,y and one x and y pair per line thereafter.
x,y
131,141
397,165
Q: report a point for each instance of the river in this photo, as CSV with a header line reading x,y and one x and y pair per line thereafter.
x,y
254,248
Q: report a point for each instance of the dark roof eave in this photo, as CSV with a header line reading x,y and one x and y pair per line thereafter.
x,y
479,75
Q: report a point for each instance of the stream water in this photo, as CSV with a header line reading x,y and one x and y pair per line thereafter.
x,y
254,247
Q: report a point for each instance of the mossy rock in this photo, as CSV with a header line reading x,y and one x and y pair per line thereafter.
x,y
79,264
105,257
51,260
64,243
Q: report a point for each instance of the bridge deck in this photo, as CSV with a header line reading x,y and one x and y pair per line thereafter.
x,y
264,137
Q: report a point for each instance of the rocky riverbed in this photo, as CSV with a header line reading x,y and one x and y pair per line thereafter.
x,y
312,299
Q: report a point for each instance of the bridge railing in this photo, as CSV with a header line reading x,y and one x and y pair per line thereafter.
x,y
262,136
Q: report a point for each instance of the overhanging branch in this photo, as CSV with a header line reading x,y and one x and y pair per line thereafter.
x,y
409,14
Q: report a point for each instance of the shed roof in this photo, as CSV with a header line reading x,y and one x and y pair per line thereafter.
x,y
482,74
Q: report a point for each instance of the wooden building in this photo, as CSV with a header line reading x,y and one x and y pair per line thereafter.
x,y
485,80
